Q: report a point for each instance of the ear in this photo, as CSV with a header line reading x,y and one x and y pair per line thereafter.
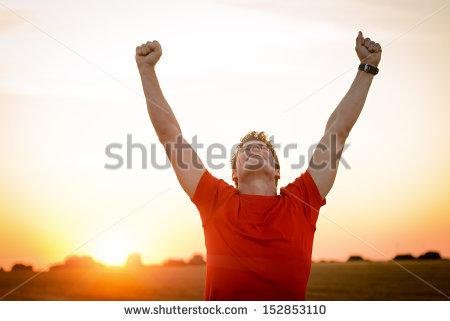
x,y
234,176
277,173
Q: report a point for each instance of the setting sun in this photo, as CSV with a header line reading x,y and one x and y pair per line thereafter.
x,y
113,250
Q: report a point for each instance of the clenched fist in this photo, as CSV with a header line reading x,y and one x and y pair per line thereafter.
x,y
148,54
368,51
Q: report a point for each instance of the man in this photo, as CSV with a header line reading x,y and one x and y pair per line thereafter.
x,y
258,243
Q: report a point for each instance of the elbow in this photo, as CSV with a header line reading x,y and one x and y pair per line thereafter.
x,y
343,126
343,132
340,131
169,134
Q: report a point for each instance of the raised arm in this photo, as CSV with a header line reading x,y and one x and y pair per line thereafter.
x,y
325,160
185,161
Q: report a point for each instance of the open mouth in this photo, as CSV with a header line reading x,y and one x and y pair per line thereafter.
x,y
254,162
255,156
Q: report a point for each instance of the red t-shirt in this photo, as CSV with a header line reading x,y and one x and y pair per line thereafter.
x,y
258,247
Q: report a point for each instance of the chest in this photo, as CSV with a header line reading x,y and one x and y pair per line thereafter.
x,y
259,228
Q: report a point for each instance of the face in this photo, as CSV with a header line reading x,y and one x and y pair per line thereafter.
x,y
254,158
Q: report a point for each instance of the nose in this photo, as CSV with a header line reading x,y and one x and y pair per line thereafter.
x,y
255,151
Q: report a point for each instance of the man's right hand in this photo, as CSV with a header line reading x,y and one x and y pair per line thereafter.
x,y
148,54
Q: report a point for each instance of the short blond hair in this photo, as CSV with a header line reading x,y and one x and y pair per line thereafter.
x,y
262,137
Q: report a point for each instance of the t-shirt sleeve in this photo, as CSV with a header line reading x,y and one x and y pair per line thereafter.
x,y
209,192
304,190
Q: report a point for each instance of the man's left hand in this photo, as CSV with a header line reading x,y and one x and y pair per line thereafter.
x,y
368,51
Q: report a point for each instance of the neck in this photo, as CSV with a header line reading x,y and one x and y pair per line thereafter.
x,y
262,185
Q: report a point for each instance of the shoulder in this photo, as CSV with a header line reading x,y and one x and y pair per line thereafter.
x,y
210,186
304,189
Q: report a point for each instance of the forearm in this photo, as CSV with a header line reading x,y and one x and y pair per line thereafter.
x,y
347,112
325,160
161,115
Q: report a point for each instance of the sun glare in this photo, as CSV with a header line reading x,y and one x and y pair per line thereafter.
x,y
113,250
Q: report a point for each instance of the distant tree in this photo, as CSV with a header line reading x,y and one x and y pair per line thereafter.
x,y
174,262
1,270
77,262
81,262
134,261
400,257
355,258
21,267
196,259
430,256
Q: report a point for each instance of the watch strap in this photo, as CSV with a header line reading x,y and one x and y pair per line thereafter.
x,y
368,68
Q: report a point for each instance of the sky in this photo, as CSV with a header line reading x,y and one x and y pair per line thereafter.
x,y
69,86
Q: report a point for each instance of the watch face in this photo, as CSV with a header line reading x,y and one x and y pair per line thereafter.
x,y
368,68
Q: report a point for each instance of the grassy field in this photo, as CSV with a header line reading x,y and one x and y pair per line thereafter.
x,y
328,281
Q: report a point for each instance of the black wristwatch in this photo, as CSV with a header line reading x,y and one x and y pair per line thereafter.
x,y
368,68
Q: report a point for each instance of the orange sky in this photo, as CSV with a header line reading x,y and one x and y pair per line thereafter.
x,y
226,68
